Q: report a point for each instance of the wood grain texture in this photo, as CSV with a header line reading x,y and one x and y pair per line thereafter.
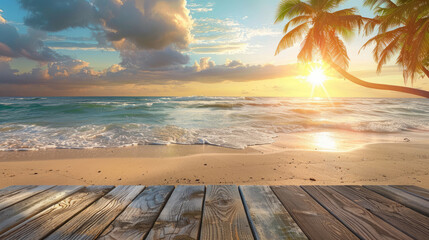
x,y
12,188
138,218
311,217
19,212
359,220
416,203
408,221
15,194
224,216
268,217
91,222
43,223
417,191
181,216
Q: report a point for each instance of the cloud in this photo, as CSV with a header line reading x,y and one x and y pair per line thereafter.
x,y
149,24
219,48
148,34
31,46
2,20
195,7
202,9
6,73
224,36
233,63
76,75
204,64
77,46
70,67
152,59
54,15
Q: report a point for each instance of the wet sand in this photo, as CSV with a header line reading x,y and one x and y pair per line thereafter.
x,y
273,164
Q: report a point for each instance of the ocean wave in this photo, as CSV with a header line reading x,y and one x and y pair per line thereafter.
x,y
236,122
305,111
33,137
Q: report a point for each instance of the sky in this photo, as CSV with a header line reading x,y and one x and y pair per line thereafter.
x,y
165,48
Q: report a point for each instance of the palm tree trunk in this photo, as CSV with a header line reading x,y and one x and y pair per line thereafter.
x,y
426,71
348,76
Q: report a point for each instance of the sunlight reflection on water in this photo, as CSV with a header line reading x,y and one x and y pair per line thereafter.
x,y
324,141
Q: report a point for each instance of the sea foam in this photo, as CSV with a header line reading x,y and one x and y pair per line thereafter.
x,y
235,122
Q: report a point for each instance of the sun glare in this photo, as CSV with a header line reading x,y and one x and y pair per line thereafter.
x,y
324,141
316,76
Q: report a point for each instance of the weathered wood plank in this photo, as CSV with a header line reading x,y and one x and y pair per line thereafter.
x,y
359,220
138,218
16,194
418,204
89,223
268,217
19,212
408,221
181,216
51,218
418,191
12,188
223,215
313,219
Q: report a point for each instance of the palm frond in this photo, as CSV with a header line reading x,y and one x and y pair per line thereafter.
x,y
337,50
292,8
377,3
307,47
290,38
388,52
295,21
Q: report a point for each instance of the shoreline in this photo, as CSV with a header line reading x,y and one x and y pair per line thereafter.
x,y
270,164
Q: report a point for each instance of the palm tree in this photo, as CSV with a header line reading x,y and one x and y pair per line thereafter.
x,y
323,30
403,29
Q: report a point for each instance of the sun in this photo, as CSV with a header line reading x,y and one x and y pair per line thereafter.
x,y
316,76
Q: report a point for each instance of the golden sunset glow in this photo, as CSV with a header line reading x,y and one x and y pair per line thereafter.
x,y
324,141
316,76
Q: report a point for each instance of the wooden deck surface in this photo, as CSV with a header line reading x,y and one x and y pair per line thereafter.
x,y
214,212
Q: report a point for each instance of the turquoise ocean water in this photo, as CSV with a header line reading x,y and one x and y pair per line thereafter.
x,y
236,122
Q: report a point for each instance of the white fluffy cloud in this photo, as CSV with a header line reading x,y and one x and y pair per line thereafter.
x,y
149,24
205,63
224,36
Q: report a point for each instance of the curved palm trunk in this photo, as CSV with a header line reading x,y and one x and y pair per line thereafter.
x,y
426,71
348,76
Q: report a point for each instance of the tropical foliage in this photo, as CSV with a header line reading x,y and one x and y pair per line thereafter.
x,y
320,28
403,30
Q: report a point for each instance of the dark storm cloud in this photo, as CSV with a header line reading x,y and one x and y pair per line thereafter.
x,y
56,15
14,45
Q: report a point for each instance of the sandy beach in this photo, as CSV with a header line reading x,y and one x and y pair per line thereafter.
x,y
273,164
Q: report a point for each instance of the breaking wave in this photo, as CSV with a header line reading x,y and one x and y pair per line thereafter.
x,y
234,122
